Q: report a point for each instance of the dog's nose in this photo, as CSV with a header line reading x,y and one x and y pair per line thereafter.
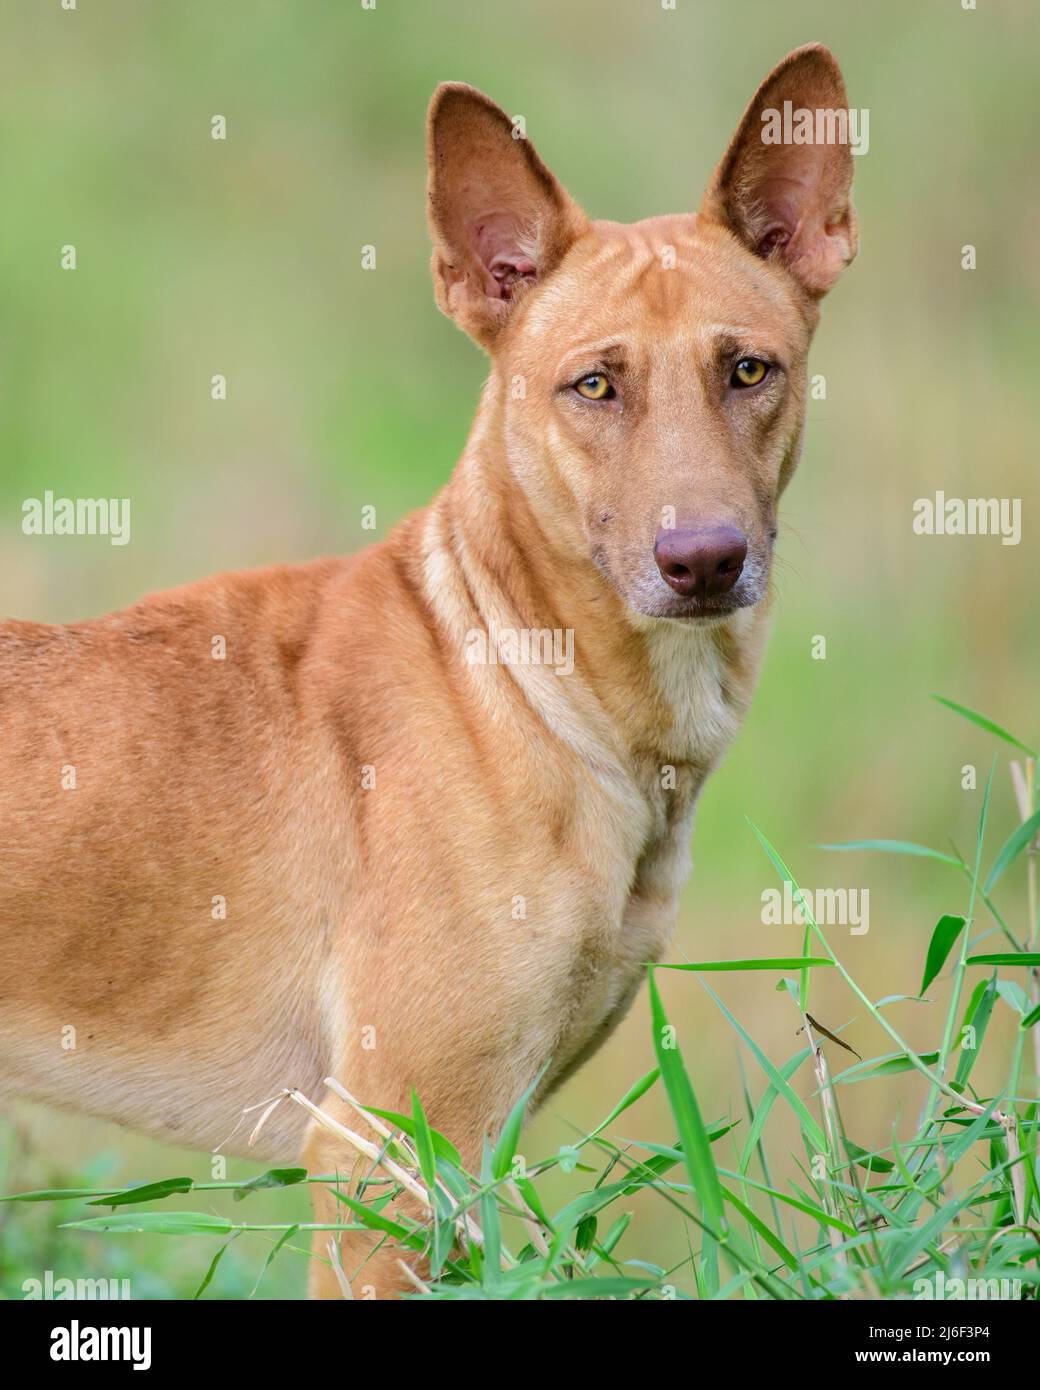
x,y
700,563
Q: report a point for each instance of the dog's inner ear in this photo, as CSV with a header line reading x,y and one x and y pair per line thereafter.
x,y
790,201
506,250
498,219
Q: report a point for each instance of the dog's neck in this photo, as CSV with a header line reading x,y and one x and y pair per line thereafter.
x,y
642,693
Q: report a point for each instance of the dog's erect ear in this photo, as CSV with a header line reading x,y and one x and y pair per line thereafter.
x,y
498,219
791,200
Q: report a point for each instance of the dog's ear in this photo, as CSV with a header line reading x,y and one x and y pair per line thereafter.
x,y
791,201
498,219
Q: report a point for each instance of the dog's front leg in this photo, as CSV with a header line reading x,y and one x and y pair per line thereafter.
x,y
370,1262
370,1267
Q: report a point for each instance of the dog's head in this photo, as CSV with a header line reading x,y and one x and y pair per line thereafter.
x,y
652,376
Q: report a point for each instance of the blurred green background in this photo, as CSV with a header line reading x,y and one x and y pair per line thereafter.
x,y
346,387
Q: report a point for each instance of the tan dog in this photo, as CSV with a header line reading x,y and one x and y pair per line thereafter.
x,y
442,789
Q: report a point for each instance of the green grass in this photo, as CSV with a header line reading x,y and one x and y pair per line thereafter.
x,y
955,1196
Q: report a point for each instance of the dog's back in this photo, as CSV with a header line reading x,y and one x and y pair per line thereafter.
x,y
153,789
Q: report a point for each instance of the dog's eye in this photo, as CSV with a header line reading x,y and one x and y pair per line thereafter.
x,y
749,371
595,387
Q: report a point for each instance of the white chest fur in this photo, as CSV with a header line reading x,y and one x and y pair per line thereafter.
x,y
688,670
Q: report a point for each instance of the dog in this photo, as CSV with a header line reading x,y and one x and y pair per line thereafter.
x,y
419,817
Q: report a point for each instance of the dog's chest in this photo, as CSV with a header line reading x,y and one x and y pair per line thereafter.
x,y
643,870
625,921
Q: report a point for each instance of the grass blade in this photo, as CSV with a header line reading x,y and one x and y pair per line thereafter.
x,y
1030,958
762,963
172,1223
505,1149
987,724
947,930
1012,848
424,1144
897,847
695,1143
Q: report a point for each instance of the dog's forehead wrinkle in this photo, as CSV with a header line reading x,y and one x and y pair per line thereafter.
x,y
652,280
